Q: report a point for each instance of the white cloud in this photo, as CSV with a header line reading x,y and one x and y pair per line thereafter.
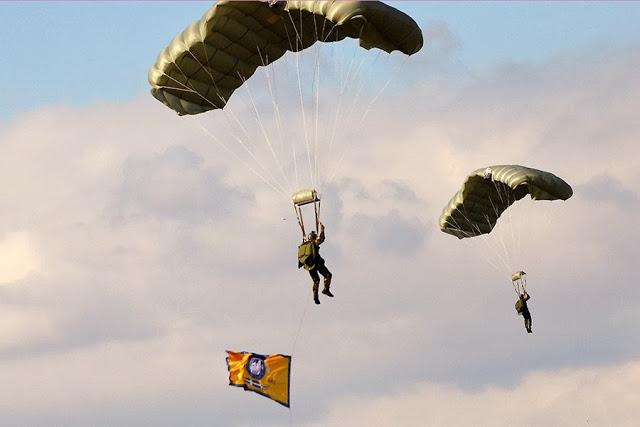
x,y
18,256
599,396
160,253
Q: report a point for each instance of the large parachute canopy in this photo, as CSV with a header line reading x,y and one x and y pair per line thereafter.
x,y
488,192
208,61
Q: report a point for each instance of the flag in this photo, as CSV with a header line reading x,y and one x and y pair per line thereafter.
x,y
266,375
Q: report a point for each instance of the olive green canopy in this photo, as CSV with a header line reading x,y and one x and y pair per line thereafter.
x,y
214,56
488,192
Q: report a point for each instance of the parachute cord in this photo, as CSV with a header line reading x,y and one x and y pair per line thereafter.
x,y
265,134
280,190
191,89
299,43
315,112
516,289
507,192
304,120
496,209
388,82
228,113
274,101
479,235
239,123
347,79
293,48
300,220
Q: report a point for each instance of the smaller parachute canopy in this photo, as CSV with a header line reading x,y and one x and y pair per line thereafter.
x,y
304,197
488,192
517,275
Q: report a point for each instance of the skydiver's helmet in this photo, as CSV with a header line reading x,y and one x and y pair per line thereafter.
x,y
312,236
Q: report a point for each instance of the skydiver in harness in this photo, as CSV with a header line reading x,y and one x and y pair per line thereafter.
x,y
523,310
309,250
519,281
309,258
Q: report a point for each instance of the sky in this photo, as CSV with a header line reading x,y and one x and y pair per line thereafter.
x,y
135,250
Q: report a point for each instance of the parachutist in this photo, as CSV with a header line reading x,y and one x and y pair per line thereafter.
x,y
488,192
309,258
523,310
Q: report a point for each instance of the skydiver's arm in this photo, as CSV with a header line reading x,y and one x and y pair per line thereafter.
x,y
321,236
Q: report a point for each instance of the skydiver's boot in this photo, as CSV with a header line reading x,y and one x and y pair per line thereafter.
x,y
327,283
316,285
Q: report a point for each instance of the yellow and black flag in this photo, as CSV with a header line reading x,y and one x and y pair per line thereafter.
x,y
266,375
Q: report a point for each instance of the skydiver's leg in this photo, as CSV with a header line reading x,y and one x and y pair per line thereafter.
x,y
316,284
327,279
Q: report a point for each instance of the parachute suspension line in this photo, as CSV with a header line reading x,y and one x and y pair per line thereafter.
x,y
506,201
523,286
332,135
346,79
288,137
265,134
239,140
300,52
300,220
192,90
387,83
478,235
293,48
316,110
274,101
322,175
507,198
350,79
504,257
247,165
304,117
231,118
520,285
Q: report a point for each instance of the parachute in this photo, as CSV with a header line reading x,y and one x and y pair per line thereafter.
x,y
212,57
488,192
